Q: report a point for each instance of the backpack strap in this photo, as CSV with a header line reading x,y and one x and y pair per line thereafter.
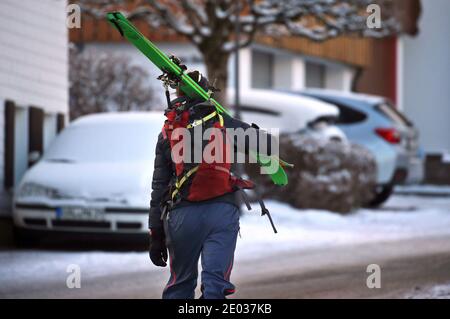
x,y
180,182
206,118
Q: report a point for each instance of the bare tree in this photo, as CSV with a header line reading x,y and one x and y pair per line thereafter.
x,y
102,82
210,24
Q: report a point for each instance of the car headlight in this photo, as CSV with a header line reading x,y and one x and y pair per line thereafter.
x,y
36,190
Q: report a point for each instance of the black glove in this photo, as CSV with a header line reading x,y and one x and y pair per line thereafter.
x,y
158,249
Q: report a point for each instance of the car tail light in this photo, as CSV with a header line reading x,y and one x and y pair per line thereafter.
x,y
390,135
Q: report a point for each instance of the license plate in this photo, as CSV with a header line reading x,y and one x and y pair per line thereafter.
x,y
80,213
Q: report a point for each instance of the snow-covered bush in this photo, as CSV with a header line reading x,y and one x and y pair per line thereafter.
x,y
330,175
106,82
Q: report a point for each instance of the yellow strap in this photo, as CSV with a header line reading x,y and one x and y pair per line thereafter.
x,y
180,183
206,118
201,121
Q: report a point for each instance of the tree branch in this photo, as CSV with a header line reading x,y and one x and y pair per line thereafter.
x,y
210,22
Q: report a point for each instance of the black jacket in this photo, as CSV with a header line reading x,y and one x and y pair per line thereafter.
x,y
164,168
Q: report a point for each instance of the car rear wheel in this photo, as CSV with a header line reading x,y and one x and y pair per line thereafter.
x,y
382,194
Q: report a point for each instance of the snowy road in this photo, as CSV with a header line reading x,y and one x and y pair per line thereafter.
x,y
315,254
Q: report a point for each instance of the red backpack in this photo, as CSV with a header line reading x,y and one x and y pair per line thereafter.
x,y
201,181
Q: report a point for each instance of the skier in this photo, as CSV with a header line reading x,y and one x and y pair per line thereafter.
x,y
193,210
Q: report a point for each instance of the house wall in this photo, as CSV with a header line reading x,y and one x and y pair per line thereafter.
x,y
33,72
287,70
379,77
290,71
424,76
33,50
339,78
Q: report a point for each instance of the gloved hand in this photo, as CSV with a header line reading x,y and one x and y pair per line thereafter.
x,y
158,249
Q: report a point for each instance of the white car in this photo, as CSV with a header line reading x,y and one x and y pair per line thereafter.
x,y
288,113
95,177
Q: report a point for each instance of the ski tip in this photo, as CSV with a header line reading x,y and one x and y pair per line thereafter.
x,y
115,14
113,17
283,183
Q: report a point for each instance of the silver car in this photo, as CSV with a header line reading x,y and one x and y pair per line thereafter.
x,y
374,123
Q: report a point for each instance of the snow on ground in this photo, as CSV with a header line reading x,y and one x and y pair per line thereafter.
x,y
402,217
435,292
431,190
36,267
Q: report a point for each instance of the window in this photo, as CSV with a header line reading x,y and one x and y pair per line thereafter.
x,y
391,113
262,70
10,123
50,129
21,142
315,75
347,114
36,133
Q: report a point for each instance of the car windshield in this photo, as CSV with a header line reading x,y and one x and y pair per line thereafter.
x,y
111,142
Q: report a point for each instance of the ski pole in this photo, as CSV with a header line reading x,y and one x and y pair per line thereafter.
x,y
265,211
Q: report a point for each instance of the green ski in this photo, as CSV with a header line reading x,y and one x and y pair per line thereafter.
x,y
187,85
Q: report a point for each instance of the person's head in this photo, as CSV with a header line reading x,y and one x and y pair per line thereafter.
x,y
199,78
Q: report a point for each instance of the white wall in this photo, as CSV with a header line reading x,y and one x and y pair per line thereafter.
x,y
339,77
245,69
33,53
282,73
424,81
298,74
33,62
289,73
